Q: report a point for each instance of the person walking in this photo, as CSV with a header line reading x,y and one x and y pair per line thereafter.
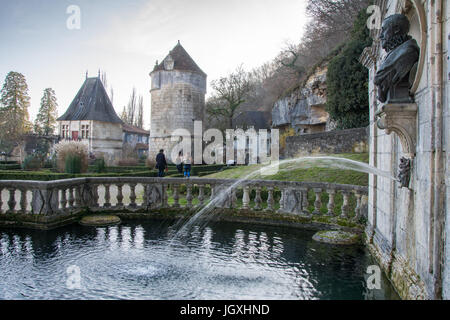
x,y
187,165
179,162
161,163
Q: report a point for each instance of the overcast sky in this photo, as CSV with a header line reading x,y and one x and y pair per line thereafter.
x,y
125,38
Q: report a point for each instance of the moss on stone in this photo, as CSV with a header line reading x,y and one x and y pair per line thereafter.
x,y
337,237
100,220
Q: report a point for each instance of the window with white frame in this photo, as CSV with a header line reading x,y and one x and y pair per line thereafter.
x,y
84,131
65,131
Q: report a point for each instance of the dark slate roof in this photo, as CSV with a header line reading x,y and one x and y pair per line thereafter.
x,y
182,61
91,103
257,119
133,129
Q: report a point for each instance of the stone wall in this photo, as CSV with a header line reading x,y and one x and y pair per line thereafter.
x,y
339,141
406,226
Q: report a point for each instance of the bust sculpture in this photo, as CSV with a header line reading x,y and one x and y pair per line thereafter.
x,y
395,76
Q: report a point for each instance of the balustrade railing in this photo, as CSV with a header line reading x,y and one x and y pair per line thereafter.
x,y
146,194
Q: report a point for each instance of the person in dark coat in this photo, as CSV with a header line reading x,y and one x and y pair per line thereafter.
x,y
161,163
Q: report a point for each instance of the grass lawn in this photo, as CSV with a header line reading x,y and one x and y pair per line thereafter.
x,y
307,171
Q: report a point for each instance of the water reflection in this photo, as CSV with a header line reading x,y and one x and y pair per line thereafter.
x,y
220,261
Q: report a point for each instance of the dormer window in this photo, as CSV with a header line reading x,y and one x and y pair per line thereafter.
x,y
169,63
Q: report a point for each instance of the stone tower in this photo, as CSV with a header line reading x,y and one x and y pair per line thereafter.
x,y
178,89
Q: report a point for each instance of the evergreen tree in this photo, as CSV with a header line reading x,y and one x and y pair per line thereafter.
x,y
347,80
45,123
14,104
124,115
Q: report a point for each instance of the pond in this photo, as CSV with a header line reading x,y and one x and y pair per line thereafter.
x,y
140,260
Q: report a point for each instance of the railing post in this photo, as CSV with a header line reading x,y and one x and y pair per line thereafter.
x,y
189,195
63,201
119,195
246,198
358,196
133,195
1,202
201,195
270,201
345,195
330,206
11,201
305,202
258,199
107,203
176,196
23,200
281,210
318,202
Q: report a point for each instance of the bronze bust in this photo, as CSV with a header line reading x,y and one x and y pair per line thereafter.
x,y
395,75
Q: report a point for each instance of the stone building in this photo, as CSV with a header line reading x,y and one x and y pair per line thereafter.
x,y
178,89
409,227
135,140
91,119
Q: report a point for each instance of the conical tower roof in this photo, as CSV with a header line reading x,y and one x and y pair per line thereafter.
x,y
182,61
91,103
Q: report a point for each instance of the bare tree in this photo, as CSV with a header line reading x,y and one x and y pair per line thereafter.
x,y
131,108
140,113
229,94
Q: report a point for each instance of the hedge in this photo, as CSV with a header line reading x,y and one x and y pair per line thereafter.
x,y
11,166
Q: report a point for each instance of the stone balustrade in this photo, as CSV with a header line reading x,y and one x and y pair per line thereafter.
x,y
71,196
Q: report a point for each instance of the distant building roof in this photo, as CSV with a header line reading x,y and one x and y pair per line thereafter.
x,y
256,119
180,60
133,129
91,103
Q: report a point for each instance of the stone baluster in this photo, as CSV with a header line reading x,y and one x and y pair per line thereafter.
x,y
358,196
145,203
107,203
212,187
78,203
281,210
176,196
71,198
1,202
246,198
318,201
330,206
12,200
305,202
164,196
270,200
63,200
95,196
258,199
201,195
189,196
234,203
345,205
119,195
23,200
133,195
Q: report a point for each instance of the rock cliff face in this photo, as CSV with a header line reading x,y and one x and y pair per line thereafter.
x,y
304,107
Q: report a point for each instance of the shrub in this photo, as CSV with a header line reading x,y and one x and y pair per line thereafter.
x,y
99,165
150,163
74,149
32,162
128,162
72,164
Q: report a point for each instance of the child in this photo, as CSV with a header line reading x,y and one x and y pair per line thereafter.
x,y
187,166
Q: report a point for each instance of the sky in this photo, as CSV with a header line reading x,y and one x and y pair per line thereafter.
x,y
124,38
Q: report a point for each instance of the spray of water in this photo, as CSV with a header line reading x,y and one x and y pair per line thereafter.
x,y
204,215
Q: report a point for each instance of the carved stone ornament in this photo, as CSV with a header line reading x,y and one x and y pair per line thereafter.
x,y
401,119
